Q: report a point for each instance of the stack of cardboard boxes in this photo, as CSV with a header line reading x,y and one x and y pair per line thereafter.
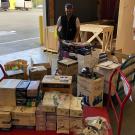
x,y
60,112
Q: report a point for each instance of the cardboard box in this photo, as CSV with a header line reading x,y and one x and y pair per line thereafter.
x,y
90,60
40,128
91,88
68,66
33,89
76,124
95,98
51,117
5,119
8,92
48,104
76,107
37,72
64,105
24,116
15,74
62,124
91,84
21,92
51,125
16,65
46,65
40,119
57,83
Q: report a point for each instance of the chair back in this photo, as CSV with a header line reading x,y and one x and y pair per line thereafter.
x,y
121,100
2,73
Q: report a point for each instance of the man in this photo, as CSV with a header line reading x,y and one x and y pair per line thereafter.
x,y
68,27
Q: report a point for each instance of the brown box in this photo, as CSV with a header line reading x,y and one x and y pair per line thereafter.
x,y
40,128
37,72
33,88
46,65
62,124
6,108
8,92
64,105
16,65
76,107
48,104
91,84
24,116
57,83
51,125
15,74
51,117
5,116
90,60
76,124
95,97
68,66
40,119
5,119
92,88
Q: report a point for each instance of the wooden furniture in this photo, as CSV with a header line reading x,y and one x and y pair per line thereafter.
x,y
96,30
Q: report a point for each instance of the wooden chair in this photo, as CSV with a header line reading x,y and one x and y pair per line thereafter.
x,y
103,112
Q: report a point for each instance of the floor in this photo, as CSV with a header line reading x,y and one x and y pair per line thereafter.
x,y
39,56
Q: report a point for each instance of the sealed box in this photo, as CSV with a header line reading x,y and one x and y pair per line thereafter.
x,y
76,107
37,72
64,104
92,89
5,117
57,83
33,89
46,65
62,124
68,66
76,124
49,103
90,60
15,74
24,116
8,92
18,64
40,119
51,125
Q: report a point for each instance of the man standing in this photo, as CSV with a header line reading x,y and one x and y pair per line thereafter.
x,y
68,27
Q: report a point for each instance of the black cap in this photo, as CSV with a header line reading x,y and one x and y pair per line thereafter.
x,y
68,5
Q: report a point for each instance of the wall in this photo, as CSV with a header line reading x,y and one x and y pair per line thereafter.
x,y
125,27
86,10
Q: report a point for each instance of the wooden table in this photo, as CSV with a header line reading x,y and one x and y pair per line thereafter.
x,y
96,30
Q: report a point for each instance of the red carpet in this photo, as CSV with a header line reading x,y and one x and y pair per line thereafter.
x,y
27,132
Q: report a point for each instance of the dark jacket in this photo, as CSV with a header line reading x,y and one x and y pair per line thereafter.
x,y
68,30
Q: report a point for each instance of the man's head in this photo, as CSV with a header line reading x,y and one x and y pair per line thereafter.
x,y
68,9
